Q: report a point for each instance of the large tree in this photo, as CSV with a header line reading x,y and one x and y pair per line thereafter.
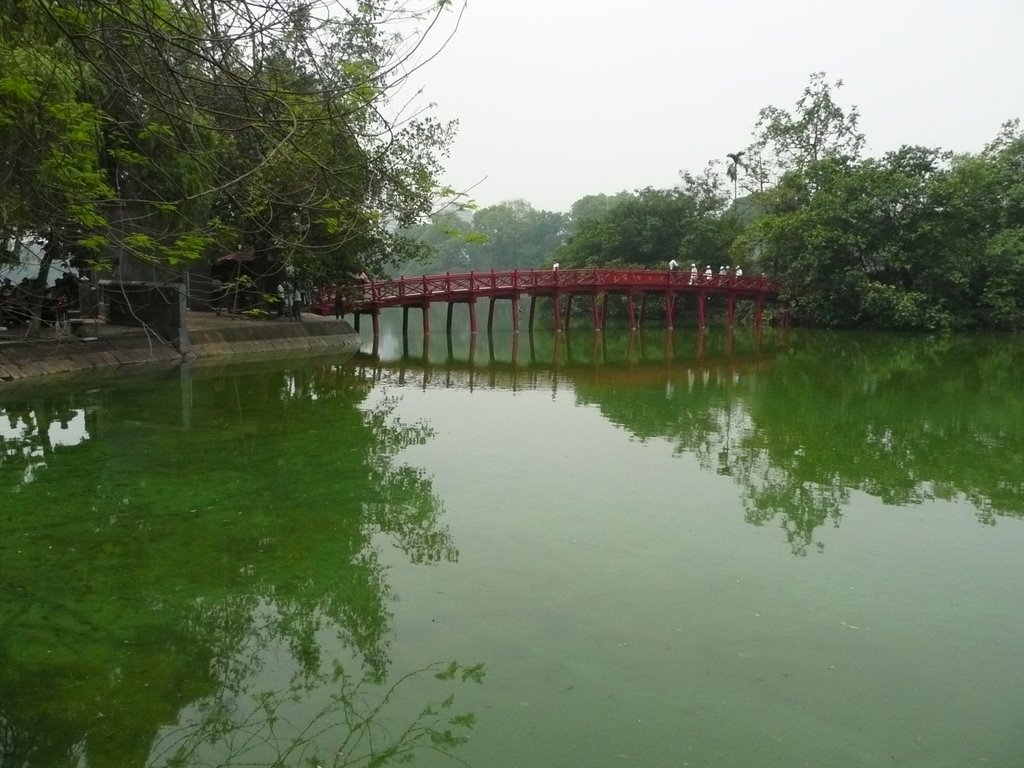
x,y
915,239
818,127
158,132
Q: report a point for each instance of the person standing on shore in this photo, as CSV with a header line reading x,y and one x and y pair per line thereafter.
x,y
339,302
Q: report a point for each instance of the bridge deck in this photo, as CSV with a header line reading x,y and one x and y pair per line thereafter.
x,y
371,297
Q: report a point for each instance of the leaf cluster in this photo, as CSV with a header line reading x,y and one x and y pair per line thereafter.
x,y
168,130
916,239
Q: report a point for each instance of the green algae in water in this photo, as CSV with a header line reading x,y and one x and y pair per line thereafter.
x,y
187,557
663,550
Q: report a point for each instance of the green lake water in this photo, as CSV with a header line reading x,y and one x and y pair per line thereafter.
x,y
795,549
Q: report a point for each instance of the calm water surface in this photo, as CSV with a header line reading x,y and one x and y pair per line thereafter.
x,y
557,550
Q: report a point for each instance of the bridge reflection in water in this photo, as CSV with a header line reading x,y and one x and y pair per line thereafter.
x,y
543,360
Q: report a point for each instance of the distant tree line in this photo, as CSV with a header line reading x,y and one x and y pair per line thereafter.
x,y
919,238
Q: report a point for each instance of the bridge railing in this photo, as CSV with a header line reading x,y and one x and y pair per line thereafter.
x,y
468,285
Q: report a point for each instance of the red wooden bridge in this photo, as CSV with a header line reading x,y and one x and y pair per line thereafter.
x,y
636,285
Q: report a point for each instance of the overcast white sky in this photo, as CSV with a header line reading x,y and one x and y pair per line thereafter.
x,y
558,99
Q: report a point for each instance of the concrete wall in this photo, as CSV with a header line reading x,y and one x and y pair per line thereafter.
x,y
24,359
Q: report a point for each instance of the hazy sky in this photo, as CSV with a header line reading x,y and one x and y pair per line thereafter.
x,y
558,99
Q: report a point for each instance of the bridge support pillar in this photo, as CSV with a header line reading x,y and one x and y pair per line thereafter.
x,y
637,285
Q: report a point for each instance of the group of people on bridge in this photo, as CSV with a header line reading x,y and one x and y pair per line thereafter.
x,y
708,274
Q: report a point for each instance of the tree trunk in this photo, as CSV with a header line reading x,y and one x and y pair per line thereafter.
x,y
38,298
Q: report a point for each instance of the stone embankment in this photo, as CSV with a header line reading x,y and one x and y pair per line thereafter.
x,y
209,335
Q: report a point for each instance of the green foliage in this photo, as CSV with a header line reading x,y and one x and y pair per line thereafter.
x,y
169,130
917,239
511,235
817,128
594,207
654,226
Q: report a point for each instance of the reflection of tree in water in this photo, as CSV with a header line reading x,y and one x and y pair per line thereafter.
x,y
800,507
905,420
330,719
188,541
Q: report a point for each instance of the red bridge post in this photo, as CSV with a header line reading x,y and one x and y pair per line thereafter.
x,y
421,291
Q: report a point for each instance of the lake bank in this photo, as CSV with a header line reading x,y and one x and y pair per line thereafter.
x,y
210,335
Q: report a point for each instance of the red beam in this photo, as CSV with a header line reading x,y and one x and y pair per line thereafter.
x,y
467,287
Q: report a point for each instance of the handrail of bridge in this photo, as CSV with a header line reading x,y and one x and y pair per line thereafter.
x,y
457,286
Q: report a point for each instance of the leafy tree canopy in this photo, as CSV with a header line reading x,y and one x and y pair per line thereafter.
x,y
510,235
162,131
